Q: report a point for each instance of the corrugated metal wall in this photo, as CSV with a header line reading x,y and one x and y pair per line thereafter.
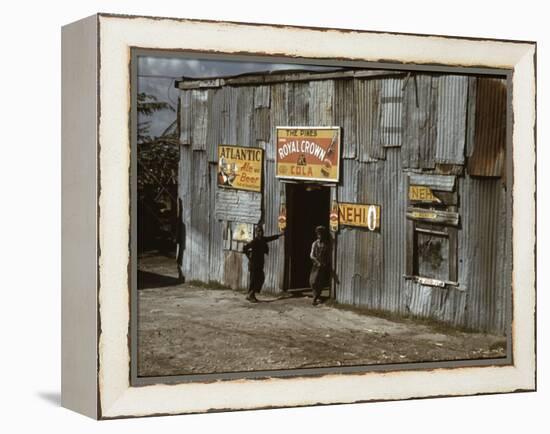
x,y
392,127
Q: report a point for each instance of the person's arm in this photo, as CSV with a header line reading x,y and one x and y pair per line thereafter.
x,y
272,237
247,248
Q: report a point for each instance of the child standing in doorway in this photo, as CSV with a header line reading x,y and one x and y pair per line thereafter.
x,y
321,263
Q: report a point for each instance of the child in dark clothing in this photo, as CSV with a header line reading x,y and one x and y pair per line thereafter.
x,y
255,250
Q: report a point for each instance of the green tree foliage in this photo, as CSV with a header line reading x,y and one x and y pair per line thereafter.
x,y
157,179
146,106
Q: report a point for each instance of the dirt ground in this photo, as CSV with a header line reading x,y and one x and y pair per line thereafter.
x,y
187,329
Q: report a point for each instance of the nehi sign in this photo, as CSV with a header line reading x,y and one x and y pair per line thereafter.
x,y
311,153
359,215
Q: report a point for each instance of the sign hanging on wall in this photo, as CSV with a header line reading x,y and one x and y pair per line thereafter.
x,y
333,217
242,231
281,220
422,194
309,153
240,167
359,215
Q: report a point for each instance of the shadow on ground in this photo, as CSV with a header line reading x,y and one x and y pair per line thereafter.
x,y
52,398
147,280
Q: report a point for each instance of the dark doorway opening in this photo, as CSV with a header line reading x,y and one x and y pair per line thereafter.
x,y
308,206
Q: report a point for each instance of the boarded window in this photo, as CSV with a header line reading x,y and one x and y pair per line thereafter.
x,y
432,229
432,251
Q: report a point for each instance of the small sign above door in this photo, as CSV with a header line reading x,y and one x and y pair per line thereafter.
x,y
308,153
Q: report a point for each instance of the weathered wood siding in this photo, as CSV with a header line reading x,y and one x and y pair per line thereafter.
x,y
394,128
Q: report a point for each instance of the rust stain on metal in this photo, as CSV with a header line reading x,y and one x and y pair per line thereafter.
x,y
489,148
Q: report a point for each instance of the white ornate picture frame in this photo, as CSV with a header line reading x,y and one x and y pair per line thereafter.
x,y
96,275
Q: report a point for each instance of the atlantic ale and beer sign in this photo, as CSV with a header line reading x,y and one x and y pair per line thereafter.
x,y
309,153
240,167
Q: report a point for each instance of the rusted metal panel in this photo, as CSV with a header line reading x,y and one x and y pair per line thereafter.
x,y
321,99
344,116
367,120
435,182
238,205
199,118
391,106
185,121
489,148
419,121
451,119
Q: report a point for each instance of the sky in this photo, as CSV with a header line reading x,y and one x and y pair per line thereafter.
x,y
156,76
